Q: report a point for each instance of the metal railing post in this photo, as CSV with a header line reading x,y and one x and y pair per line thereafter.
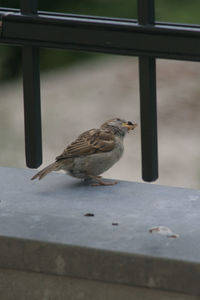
x,y
148,111
31,88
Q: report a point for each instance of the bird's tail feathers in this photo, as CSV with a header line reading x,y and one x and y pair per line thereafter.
x,y
55,166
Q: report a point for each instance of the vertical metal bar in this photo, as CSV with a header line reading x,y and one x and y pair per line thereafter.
x,y
146,12
31,87
148,111
148,118
28,7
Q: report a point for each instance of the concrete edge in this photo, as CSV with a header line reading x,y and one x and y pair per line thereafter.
x,y
34,286
101,265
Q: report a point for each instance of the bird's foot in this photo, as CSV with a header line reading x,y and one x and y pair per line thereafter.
x,y
104,183
100,182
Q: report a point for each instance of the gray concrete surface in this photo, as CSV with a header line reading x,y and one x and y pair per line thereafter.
x,y
44,232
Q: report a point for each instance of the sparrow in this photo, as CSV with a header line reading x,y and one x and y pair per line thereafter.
x,y
93,152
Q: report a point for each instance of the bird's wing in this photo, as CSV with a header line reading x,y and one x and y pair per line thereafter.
x,y
89,142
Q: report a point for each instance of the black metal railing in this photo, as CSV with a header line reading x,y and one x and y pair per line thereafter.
x,y
144,38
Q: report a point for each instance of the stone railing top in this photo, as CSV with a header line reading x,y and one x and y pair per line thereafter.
x,y
45,227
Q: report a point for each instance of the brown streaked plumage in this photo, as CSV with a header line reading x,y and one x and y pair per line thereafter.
x,y
93,152
89,142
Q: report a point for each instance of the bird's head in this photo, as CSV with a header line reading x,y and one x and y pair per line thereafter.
x,y
119,126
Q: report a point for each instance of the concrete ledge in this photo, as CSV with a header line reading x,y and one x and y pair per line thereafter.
x,y
44,233
36,286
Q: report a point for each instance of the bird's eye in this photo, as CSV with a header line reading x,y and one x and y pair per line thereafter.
x,y
130,123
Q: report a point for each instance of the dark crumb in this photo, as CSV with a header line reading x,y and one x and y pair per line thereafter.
x,y
115,224
89,215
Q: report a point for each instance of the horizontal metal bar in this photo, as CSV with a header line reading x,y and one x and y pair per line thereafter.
x,y
98,34
59,16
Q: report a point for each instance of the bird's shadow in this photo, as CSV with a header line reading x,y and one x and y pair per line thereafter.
x,y
70,187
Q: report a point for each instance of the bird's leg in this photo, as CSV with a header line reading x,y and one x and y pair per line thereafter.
x,y
100,181
90,177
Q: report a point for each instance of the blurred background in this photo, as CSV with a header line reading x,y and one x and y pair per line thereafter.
x,y
80,91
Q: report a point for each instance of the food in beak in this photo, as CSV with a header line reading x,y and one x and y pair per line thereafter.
x,y
129,125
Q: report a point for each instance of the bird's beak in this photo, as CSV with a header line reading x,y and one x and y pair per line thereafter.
x,y
129,126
